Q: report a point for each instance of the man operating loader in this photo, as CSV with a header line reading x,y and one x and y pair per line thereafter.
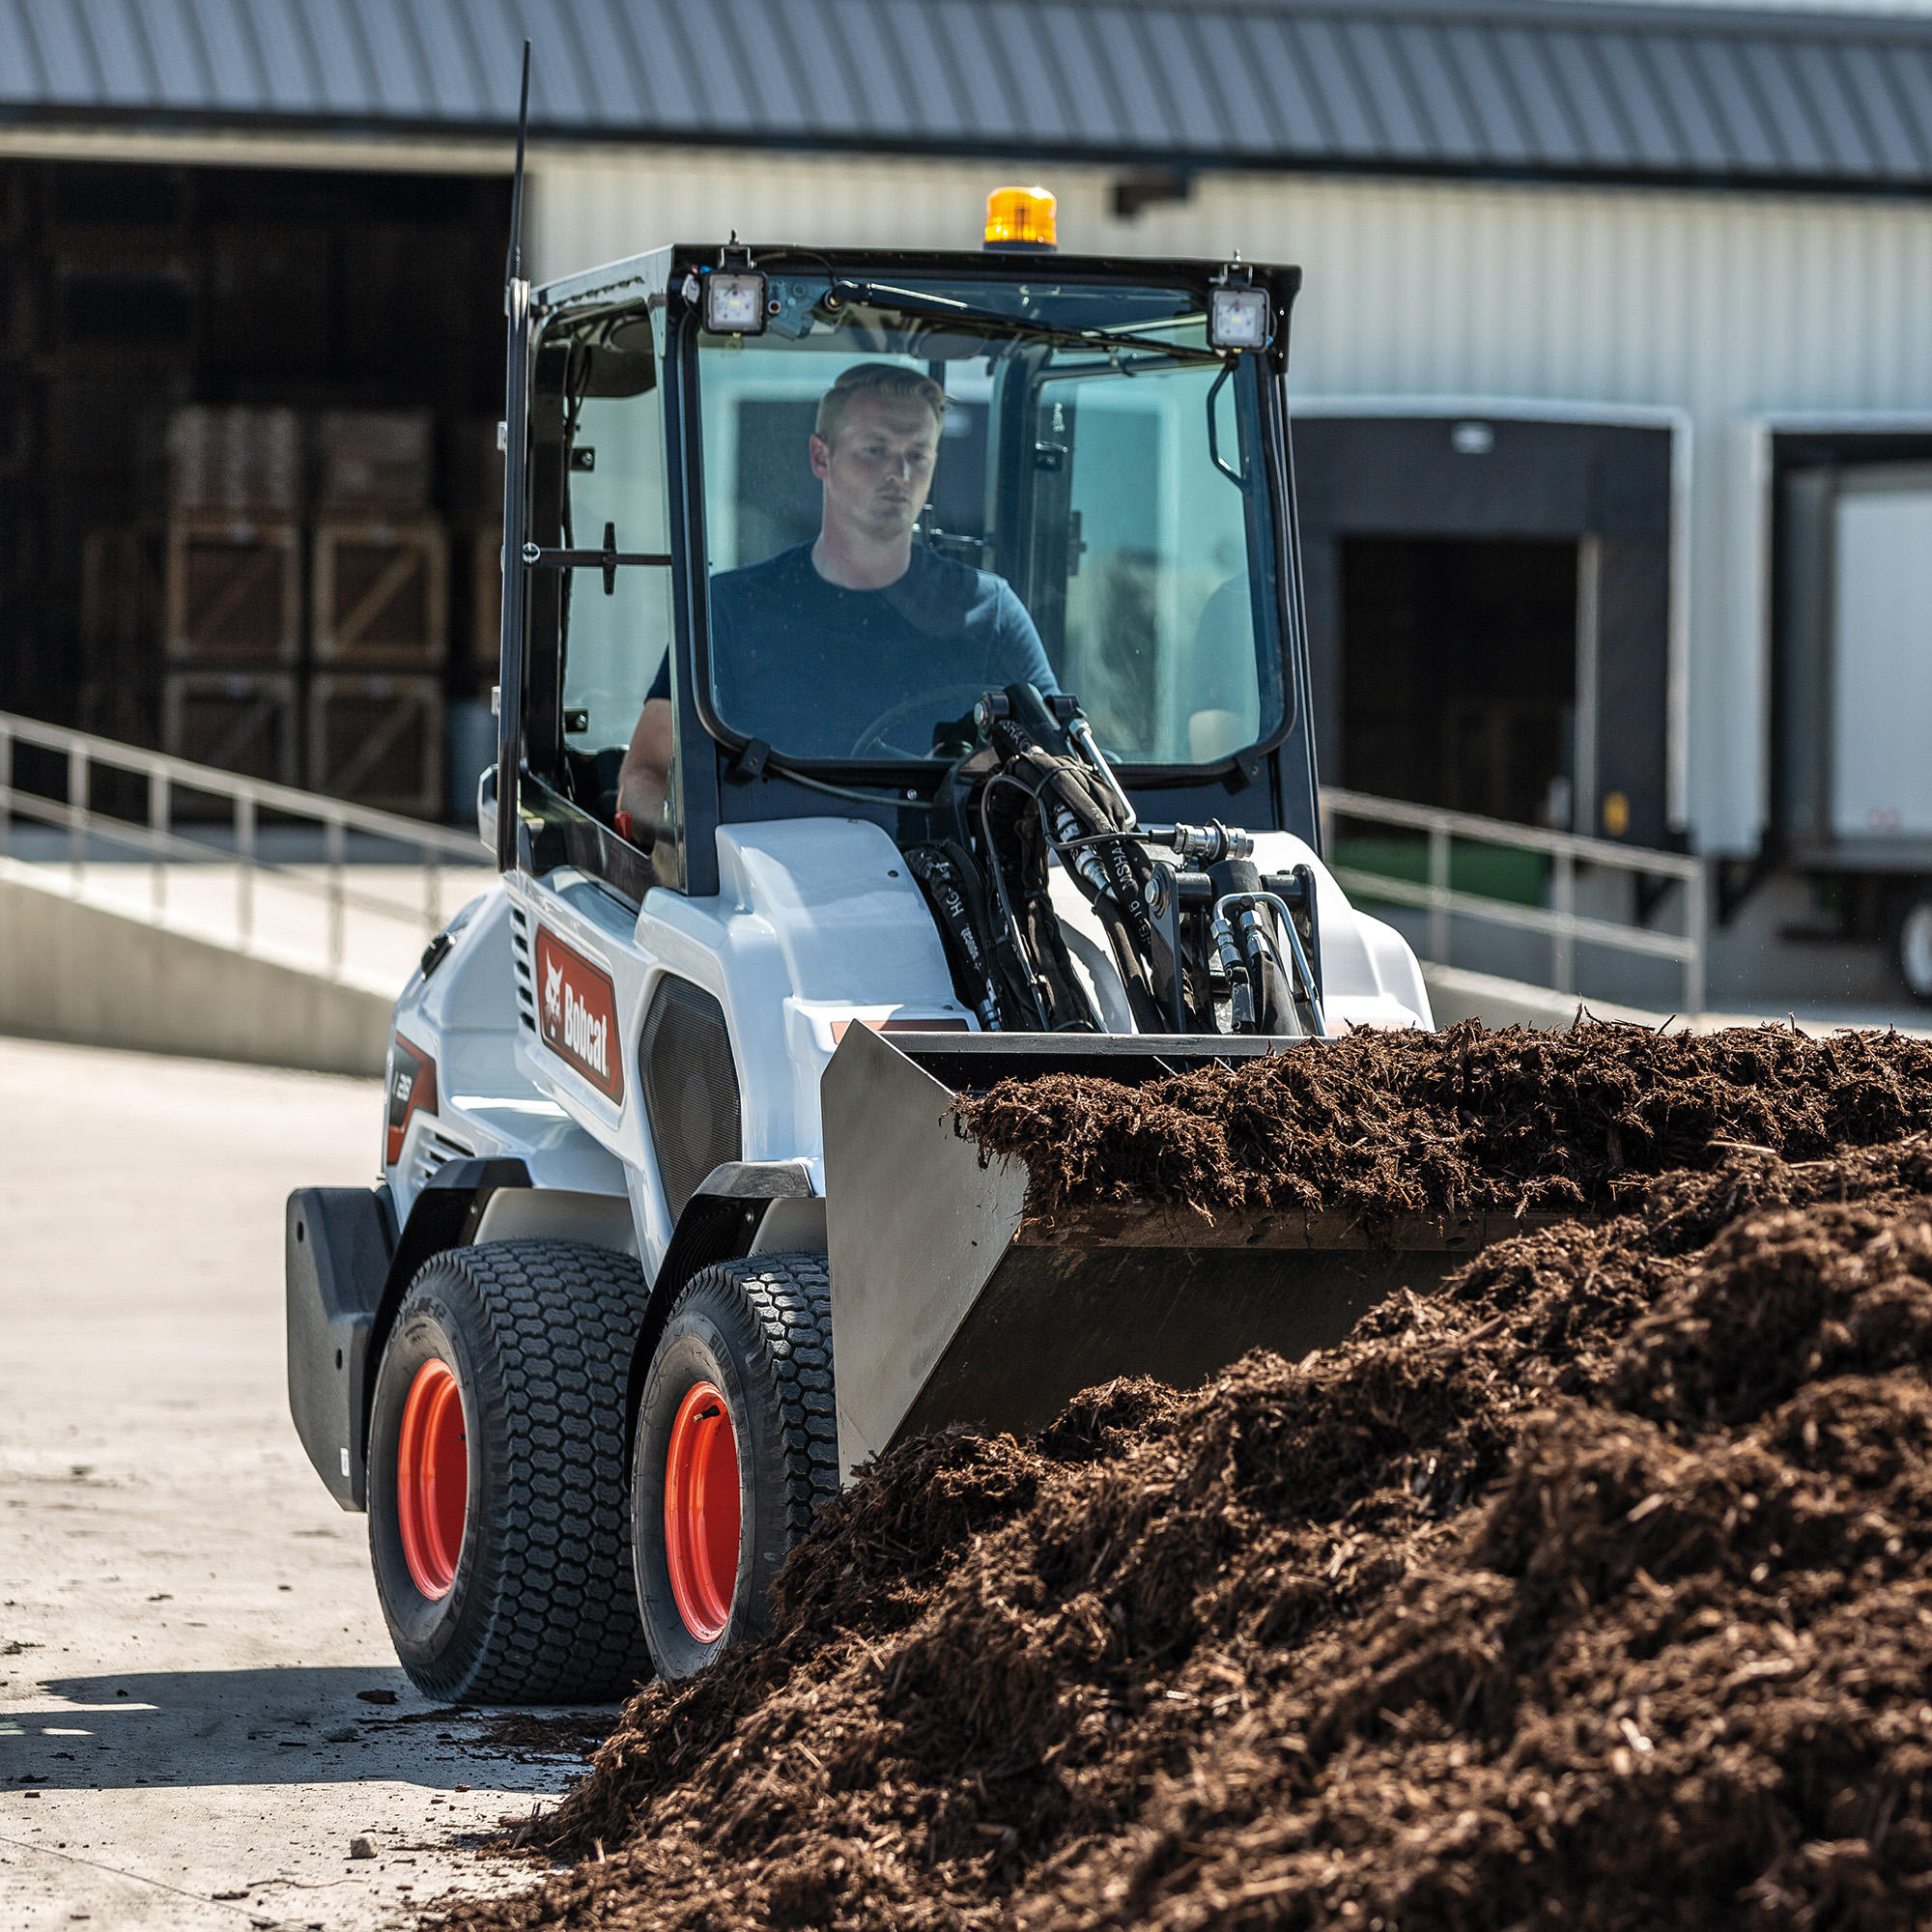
x,y
804,643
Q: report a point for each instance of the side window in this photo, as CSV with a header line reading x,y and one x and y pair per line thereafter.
x,y
616,625
1142,540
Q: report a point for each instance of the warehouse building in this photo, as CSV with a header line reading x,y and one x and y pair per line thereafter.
x,y
1615,340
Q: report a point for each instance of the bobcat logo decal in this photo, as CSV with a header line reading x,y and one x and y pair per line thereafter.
x,y
579,1015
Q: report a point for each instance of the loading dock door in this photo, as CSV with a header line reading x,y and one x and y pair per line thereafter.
x,y
1881,666
1852,648
1526,565
1459,676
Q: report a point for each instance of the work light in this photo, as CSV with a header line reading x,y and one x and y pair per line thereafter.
x,y
734,304
1237,318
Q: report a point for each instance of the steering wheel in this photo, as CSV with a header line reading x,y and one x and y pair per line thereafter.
x,y
879,731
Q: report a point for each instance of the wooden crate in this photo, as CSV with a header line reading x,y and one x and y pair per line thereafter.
x,y
231,462
237,721
234,592
380,594
473,473
372,460
377,741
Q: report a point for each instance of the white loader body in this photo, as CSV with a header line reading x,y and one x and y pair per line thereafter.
x,y
817,929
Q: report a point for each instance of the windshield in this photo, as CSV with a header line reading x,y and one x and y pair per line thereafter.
x,y
916,492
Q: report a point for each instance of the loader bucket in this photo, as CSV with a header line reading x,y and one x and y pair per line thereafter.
x,y
950,1303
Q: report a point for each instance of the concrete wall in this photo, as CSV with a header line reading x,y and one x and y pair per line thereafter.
x,y
1455,994
71,971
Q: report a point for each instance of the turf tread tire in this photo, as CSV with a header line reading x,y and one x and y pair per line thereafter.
x,y
761,1328
542,1611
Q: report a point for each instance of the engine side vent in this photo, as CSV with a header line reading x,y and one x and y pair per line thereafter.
x,y
691,1086
523,970
435,1151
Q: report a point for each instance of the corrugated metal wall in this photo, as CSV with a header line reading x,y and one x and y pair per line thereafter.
x,y
1723,305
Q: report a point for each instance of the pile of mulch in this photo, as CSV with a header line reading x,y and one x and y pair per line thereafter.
x,y
1381,1121
1592,1592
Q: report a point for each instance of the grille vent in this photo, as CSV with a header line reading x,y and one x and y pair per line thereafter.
x,y
690,1088
523,971
435,1151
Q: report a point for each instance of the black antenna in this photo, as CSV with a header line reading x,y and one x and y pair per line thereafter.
x,y
513,271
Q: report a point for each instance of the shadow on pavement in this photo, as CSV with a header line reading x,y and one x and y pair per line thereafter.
x,y
293,1727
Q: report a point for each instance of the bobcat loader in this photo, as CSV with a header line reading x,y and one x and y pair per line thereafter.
x,y
675,1231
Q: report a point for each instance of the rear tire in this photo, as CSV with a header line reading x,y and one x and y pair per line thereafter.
x,y
498,1523
740,1386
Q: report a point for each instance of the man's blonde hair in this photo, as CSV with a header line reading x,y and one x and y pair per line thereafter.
x,y
892,380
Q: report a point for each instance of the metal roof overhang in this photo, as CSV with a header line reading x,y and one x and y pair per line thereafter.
x,y
1517,89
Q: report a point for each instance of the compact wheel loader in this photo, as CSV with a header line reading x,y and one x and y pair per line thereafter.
x,y
675,1231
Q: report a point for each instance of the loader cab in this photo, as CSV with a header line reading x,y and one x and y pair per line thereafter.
x,y
1100,455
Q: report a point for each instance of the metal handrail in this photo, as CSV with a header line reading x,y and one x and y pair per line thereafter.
x,y
1560,920
248,798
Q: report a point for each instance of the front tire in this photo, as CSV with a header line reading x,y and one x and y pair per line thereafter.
x,y
499,1520
736,1445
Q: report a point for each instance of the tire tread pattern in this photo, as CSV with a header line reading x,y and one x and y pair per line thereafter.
x,y
560,1625
790,1299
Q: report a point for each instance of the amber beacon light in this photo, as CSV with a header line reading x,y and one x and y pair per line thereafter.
x,y
1019,218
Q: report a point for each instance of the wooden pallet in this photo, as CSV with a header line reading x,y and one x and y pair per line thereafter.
x,y
380,594
234,463
237,721
377,741
233,592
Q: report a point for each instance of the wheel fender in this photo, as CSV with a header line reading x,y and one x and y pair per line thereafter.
x,y
719,1223
338,1243
445,1214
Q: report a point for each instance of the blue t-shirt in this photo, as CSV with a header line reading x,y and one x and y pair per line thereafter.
x,y
808,666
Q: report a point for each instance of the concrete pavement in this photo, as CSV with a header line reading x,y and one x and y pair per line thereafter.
x,y
186,1617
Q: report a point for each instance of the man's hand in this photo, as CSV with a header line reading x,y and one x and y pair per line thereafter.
x,y
645,771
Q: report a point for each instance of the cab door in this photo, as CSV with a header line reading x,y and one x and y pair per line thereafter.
x,y
595,563
594,578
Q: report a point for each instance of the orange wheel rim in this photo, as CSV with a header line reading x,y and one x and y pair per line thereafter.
x,y
433,1478
702,1512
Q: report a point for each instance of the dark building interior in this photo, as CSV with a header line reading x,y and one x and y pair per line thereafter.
x,y
129,292
1459,671
1449,565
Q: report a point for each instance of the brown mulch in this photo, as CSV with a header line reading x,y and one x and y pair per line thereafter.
x,y
1593,1592
1381,1122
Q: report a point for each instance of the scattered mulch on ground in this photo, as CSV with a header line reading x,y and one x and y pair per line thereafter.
x,y
525,1736
1383,1122
531,1739
1592,1592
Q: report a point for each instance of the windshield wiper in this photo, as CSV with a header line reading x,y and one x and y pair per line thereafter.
x,y
944,308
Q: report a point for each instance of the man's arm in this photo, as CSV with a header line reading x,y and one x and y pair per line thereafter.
x,y
645,771
1019,650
